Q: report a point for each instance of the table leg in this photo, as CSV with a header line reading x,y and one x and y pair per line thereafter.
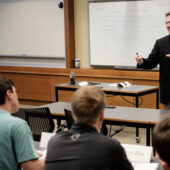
x,y
59,128
137,135
56,94
137,129
137,101
154,151
157,99
148,136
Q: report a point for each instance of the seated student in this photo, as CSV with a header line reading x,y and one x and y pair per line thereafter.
x,y
16,142
83,147
161,142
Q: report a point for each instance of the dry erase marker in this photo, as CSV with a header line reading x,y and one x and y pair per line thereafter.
x,y
137,53
110,107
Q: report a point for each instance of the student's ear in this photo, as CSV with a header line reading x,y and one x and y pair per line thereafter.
x,y
100,120
102,116
9,94
165,165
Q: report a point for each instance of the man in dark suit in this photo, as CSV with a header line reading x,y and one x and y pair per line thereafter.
x,y
160,55
83,147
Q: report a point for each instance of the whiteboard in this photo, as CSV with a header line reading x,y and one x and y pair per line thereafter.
x,y
32,28
119,29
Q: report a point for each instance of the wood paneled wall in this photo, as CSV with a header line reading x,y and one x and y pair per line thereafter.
x,y
37,85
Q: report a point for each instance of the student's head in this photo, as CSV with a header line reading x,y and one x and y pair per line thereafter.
x,y
8,94
168,21
88,104
161,141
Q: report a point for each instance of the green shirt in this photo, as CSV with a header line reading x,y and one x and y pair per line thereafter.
x,y
16,142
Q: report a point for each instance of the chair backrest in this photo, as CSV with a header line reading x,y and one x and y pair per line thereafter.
x,y
70,121
69,118
39,120
20,114
104,129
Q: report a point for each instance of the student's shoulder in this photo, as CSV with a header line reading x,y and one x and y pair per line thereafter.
x,y
17,119
58,137
162,39
110,141
17,122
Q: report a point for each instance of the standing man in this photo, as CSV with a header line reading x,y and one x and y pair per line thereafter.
x,y
16,142
160,55
161,142
83,147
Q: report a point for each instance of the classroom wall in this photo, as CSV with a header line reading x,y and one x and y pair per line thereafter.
x,y
36,86
33,61
81,43
44,79
81,32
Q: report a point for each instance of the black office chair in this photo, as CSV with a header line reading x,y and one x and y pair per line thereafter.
x,y
20,114
39,120
118,130
70,121
104,129
69,118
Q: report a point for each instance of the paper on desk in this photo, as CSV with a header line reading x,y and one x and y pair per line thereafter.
x,y
145,166
83,83
139,154
140,157
122,84
113,84
45,137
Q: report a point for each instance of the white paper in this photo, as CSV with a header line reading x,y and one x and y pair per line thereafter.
x,y
83,83
121,84
145,166
113,84
127,83
45,137
139,154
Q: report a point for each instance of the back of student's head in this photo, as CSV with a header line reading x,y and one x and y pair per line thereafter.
x,y
167,14
5,84
88,103
161,139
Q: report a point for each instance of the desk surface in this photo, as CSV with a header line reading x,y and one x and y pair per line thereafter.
x,y
126,114
135,89
129,116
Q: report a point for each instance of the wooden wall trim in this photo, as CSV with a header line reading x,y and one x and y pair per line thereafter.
x,y
100,73
69,32
37,85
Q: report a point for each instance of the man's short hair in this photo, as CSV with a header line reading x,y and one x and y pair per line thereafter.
x,y
167,14
5,84
161,139
88,103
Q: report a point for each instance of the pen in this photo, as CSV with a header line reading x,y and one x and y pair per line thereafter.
x,y
137,53
110,107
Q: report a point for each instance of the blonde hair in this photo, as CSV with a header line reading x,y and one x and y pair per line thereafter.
x,y
88,103
167,14
161,139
